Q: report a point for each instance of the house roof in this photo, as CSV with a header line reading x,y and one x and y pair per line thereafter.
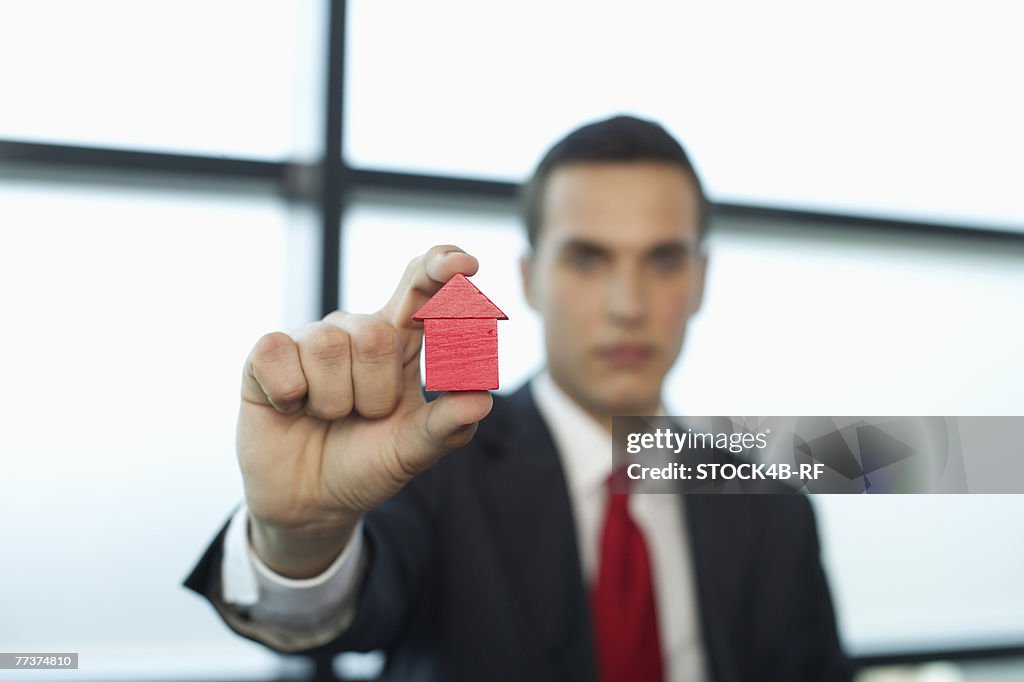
x,y
459,298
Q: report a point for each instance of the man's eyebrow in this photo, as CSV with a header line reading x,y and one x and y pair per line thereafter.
x,y
673,247
667,248
576,244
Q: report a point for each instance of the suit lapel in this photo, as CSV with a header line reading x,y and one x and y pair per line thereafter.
x,y
530,509
714,551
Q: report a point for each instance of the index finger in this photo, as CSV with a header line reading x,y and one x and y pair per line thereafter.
x,y
423,277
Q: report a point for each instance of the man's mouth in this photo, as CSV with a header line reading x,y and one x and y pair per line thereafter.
x,y
627,355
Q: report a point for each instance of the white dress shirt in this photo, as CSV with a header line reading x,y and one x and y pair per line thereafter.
x,y
294,614
289,614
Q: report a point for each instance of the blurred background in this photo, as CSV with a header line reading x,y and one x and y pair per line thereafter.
x,y
177,179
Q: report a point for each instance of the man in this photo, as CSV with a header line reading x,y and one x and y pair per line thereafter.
x,y
473,543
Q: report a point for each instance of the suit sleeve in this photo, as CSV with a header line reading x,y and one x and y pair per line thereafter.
x,y
818,654
398,551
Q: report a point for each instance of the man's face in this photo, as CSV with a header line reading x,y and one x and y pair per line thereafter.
x,y
616,274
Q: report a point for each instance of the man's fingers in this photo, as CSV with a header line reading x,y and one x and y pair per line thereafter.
x,y
439,427
355,362
324,350
376,364
422,279
273,374
352,363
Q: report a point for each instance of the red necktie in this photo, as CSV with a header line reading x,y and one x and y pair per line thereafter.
x,y
625,616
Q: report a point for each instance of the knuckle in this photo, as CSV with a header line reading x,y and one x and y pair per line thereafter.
x,y
290,390
399,470
412,270
374,339
441,249
328,344
462,436
335,317
275,367
272,348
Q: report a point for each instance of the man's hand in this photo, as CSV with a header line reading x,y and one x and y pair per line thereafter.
x,y
333,420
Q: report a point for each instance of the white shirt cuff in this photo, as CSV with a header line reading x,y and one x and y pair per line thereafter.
x,y
309,605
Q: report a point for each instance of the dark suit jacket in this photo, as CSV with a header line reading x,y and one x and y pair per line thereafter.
x,y
475,574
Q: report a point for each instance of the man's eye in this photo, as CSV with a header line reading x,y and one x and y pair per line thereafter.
x,y
667,261
584,260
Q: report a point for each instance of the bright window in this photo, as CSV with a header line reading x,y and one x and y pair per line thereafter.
x,y
128,316
901,110
231,78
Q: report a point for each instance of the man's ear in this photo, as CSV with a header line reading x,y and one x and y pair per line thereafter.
x,y
697,298
526,275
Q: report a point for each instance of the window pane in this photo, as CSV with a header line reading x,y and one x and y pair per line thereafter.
x,y
888,109
800,321
127,316
229,77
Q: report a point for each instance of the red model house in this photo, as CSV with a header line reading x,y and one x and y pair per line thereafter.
x,y
460,326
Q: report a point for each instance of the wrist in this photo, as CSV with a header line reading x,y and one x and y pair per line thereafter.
x,y
299,552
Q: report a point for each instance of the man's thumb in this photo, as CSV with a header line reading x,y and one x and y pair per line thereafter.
x,y
446,423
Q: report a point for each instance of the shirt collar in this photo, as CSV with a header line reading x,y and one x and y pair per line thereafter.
x,y
583,444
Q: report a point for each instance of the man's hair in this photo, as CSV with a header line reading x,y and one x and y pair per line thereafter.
x,y
620,138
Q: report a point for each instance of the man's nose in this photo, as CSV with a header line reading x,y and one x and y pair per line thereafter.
x,y
627,299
